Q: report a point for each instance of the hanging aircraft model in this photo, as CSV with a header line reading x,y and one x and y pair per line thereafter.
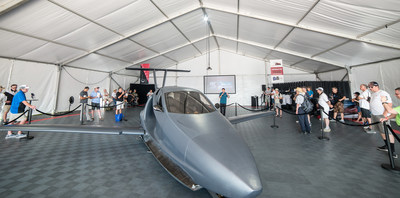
x,y
195,143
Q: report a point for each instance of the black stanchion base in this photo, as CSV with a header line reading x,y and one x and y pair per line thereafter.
x,y
323,138
388,167
28,137
274,126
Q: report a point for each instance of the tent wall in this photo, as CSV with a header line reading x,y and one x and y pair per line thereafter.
x,y
123,81
337,75
72,82
41,78
385,73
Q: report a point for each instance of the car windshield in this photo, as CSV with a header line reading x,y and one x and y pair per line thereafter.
x,y
188,102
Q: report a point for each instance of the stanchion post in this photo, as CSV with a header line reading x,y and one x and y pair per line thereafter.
x,y
81,114
274,125
29,121
322,137
391,166
235,109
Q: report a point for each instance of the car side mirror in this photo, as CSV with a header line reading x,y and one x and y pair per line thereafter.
x,y
157,108
216,105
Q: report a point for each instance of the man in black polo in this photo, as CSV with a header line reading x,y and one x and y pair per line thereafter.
x,y
337,100
83,96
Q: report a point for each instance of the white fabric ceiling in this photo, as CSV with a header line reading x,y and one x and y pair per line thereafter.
x,y
310,35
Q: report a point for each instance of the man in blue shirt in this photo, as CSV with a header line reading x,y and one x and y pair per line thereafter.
x,y
95,96
17,109
222,101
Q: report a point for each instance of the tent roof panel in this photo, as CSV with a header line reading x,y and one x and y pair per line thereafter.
x,y
133,18
251,50
354,53
227,4
202,45
391,34
9,46
222,23
309,42
352,17
288,59
290,10
88,37
227,44
41,19
159,62
92,9
98,62
183,53
192,25
262,32
173,8
316,66
127,50
52,53
160,38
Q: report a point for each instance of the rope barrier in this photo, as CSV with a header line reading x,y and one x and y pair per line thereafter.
x,y
293,113
6,123
58,114
230,104
255,110
363,125
106,106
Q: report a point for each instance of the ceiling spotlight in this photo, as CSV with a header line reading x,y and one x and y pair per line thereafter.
x,y
209,68
205,18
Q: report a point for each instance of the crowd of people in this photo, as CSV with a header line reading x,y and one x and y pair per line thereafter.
x,y
373,106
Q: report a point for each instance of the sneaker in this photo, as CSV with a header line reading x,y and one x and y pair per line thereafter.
x,y
394,155
342,121
297,121
19,136
332,120
8,136
383,148
368,130
327,130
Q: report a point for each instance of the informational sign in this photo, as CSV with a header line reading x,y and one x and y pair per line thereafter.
x,y
276,71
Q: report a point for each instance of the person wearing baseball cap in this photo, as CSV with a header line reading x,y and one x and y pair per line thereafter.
x,y
324,103
17,109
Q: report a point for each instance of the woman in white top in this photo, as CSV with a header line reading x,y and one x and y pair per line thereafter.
x,y
324,103
278,105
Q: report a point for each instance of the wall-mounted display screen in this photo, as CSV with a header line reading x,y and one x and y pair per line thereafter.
x,y
214,84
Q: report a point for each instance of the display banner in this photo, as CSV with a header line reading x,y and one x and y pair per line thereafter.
x,y
147,73
276,71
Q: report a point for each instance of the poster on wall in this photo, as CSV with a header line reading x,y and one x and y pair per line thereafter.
x,y
276,71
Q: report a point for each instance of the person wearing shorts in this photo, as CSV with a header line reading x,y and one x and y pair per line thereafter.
x,y
378,111
9,94
17,110
95,96
324,103
364,106
278,105
120,101
337,99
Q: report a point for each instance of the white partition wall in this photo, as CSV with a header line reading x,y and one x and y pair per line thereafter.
x,y
72,82
385,73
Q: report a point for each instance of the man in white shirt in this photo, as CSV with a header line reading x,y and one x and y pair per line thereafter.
x,y
378,111
324,103
364,98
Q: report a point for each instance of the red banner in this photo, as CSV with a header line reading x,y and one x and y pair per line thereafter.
x,y
276,70
147,73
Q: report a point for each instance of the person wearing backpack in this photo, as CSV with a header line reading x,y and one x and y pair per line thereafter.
x,y
303,119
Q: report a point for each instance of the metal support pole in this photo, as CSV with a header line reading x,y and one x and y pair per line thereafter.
x,y
392,166
235,109
322,137
274,125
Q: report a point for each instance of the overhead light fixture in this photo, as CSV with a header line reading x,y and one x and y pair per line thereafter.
x,y
205,18
209,68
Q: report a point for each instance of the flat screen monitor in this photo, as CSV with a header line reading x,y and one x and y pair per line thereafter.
x,y
214,84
